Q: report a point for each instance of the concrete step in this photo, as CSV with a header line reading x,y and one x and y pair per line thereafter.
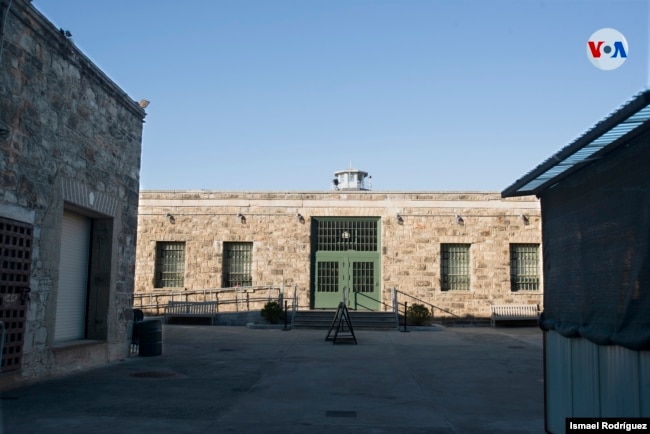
x,y
361,320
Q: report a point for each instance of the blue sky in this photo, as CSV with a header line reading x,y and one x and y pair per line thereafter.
x,y
424,95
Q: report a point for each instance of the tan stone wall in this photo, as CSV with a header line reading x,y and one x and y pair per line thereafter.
x,y
410,250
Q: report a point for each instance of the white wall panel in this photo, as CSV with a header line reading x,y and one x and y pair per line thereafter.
x,y
619,382
584,373
587,380
557,382
73,278
644,383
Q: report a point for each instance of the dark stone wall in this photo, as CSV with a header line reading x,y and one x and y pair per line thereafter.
x,y
70,139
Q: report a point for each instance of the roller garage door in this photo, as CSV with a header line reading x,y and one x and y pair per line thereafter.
x,y
73,278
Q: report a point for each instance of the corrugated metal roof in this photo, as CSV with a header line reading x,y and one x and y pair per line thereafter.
x,y
615,130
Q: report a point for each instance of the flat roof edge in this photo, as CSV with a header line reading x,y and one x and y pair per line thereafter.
x,y
634,105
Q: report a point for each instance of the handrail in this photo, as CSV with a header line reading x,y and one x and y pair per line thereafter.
x,y
421,301
239,299
239,296
395,304
2,342
360,298
294,308
208,291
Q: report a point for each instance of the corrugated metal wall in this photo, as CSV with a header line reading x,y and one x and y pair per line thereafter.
x,y
587,380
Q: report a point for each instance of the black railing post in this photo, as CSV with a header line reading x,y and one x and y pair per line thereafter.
x,y
405,316
285,316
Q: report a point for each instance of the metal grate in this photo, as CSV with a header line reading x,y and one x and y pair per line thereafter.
x,y
342,235
340,413
237,264
455,267
524,267
153,374
16,250
328,276
363,276
170,264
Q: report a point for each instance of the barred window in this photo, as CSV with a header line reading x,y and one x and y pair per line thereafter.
x,y
328,276
363,276
359,235
170,264
237,264
455,271
524,267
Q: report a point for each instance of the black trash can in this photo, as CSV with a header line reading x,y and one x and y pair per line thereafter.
x,y
150,337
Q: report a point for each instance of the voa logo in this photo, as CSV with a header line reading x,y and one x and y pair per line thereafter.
x,y
607,49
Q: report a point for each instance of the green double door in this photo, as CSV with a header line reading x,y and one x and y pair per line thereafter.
x,y
356,276
346,261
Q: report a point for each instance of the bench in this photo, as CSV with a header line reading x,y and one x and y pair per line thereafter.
x,y
514,312
191,309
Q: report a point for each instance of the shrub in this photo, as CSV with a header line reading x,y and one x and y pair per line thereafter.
x,y
272,312
418,314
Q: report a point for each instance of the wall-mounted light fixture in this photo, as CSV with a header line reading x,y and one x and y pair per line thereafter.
x,y
525,219
459,220
300,218
400,219
241,217
144,103
170,218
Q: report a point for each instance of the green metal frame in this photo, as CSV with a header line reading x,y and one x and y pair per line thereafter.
x,y
346,254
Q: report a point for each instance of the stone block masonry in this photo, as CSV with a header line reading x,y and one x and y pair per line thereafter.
x,y
409,247
70,142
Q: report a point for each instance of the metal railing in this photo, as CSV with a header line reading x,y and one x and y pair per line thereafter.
x,y
356,300
294,308
395,304
2,341
346,295
433,306
235,299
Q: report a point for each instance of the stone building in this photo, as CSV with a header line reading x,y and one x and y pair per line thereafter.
x,y
70,148
457,252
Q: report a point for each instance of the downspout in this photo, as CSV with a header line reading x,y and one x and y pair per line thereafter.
x,y
4,13
3,21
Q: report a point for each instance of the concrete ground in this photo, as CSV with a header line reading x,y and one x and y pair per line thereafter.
x,y
240,380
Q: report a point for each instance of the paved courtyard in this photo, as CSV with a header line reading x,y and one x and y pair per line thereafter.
x,y
239,380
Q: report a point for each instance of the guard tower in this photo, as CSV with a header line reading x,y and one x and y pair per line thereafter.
x,y
351,180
